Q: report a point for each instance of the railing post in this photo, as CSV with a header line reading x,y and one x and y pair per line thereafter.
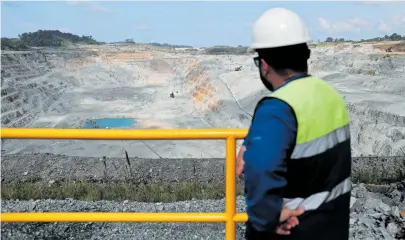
x,y
230,188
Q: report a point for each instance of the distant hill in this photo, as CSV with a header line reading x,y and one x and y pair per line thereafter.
x,y
226,50
44,38
169,45
131,41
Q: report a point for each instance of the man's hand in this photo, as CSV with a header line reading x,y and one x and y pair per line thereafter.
x,y
284,228
288,220
239,161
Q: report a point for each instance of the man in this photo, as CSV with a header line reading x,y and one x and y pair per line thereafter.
x,y
297,152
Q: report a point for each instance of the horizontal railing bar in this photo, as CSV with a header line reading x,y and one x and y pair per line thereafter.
x,y
121,134
240,217
118,217
112,217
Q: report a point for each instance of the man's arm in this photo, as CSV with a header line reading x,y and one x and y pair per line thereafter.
x,y
271,135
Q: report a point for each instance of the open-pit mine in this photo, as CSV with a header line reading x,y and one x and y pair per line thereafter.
x,y
144,87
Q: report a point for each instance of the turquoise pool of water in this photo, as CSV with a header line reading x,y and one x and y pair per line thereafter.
x,y
110,123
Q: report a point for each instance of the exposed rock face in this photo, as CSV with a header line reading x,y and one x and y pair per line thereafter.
x,y
376,211
30,87
373,86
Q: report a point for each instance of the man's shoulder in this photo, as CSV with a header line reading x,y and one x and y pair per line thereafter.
x,y
273,107
270,114
270,104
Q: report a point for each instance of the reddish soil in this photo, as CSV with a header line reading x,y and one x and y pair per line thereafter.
x,y
396,47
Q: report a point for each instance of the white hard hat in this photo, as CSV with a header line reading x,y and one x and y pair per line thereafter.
x,y
278,27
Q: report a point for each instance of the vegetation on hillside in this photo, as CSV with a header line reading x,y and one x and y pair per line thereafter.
x,y
56,38
126,41
169,45
242,50
131,41
226,50
13,44
44,38
392,37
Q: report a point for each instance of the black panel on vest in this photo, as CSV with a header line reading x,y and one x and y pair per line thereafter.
x,y
319,173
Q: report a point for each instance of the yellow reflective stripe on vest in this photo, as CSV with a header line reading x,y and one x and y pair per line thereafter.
x,y
321,114
314,201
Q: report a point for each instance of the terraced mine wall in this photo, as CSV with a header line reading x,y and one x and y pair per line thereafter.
x,y
374,88
23,94
32,81
123,84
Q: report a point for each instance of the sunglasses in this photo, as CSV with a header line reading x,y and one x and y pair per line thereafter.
x,y
257,61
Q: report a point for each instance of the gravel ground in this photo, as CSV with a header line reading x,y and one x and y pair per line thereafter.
x,y
378,212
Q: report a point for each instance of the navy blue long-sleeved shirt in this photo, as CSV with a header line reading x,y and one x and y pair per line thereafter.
x,y
271,134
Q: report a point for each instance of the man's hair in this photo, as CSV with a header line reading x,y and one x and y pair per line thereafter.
x,y
287,58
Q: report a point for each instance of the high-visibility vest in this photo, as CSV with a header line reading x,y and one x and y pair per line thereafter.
x,y
319,163
319,166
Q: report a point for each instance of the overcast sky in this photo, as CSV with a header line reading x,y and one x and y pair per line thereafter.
x,y
197,23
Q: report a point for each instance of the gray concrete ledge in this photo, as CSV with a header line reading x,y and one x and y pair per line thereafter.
x,y
46,167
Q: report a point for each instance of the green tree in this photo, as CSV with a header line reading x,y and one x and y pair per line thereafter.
x,y
54,38
395,37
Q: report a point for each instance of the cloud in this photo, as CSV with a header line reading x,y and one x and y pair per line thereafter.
x,y
98,8
324,23
141,27
350,25
358,22
93,6
399,21
383,27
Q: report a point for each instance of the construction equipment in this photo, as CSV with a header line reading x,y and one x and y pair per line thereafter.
x,y
388,49
238,68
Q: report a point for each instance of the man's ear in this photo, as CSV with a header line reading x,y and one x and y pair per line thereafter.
x,y
265,66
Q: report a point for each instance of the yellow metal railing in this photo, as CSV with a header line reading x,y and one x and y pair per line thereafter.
x,y
230,217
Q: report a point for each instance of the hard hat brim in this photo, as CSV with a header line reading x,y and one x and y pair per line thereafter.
x,y
264,46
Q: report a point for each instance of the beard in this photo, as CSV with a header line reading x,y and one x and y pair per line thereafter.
x,y
266,82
